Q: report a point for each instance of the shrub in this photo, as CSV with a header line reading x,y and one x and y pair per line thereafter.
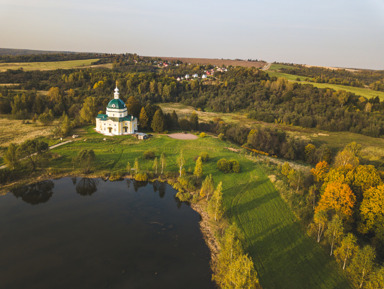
x,y
231,166
204,157
202,135
223,165
116,175
149,155
184,196
141,177
235,166
221,136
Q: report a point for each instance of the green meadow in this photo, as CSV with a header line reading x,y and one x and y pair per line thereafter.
x,y
284,256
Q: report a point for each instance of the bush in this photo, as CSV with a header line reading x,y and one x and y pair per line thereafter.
x,y
116,175
202,135
221,136
141,177
223,165
204,157
149,155
231,166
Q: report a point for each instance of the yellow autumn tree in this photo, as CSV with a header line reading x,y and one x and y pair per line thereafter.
x,y
372,211
338,197
320,171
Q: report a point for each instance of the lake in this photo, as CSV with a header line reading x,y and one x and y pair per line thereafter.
x,y
90,233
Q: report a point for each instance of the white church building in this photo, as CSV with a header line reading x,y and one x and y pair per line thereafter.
x,y
116,121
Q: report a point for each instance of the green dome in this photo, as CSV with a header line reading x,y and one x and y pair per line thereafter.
x,y
116,104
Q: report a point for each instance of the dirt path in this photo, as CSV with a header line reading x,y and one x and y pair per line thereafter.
x,y
51,147
184,136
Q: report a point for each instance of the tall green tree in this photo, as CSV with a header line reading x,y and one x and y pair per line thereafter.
x,y
11,157
136,167
194,120
158,122
85,159
163,162
207,187
362,265
155,165
88,110
198,172
346,250
180,162
215,205
334,231
143,119
133,106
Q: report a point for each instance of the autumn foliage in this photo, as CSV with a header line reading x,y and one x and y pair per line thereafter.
x,y
338,197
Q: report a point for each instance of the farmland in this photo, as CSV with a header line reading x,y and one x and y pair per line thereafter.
x,y
29,66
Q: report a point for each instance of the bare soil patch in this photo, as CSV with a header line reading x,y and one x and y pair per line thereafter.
x,y
184,136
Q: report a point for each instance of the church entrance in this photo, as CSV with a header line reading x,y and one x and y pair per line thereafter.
x,y
110,130
125,129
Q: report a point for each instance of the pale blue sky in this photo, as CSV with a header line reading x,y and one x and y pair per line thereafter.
x,y
331,33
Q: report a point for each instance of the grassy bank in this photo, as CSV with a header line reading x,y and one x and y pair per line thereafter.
x,y
283,255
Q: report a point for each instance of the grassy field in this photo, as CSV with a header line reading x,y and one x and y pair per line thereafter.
x,y
28,66
284,256
372,152
368,93
15,131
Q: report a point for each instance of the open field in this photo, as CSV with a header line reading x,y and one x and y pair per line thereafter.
x,y
366,92
217,62
28,66
284,256
14,131
373,148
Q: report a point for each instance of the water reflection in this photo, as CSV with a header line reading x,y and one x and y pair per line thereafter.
x,y
137,185
86,186
35,193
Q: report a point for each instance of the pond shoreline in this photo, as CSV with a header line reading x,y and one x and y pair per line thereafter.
x,y
206,227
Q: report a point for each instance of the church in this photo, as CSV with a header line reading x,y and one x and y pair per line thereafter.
x,y
116,121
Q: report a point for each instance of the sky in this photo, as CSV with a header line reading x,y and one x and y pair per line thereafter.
x,y
338,33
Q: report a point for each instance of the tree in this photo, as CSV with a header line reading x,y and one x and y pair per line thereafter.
x,y
11,156
194,121
88,110
46,118
180,162
320,219
85,159
376,279
320,171
310,151
234,268
207,188
346,157
215,205
163,162
136,167
338,197
133,106
362,265
334,231
198,172
346,250
158,121
372,211
128,168
33,150
65,126
143,119
366,177
155,165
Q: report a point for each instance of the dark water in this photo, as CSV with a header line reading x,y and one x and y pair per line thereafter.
x,y
87,233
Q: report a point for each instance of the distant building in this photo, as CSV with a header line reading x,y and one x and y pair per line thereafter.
x,y
195,75
187,76
116,121
204,76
